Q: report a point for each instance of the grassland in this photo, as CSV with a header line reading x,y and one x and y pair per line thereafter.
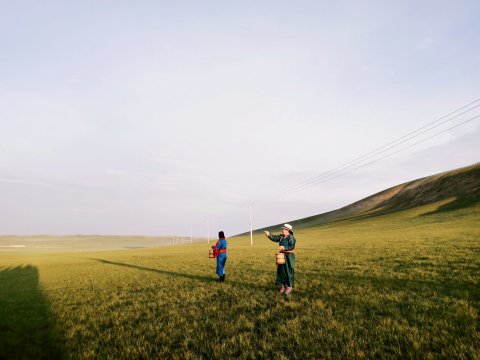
x,y
402,285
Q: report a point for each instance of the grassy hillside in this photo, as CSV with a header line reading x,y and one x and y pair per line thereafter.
x,y
457,188
400,285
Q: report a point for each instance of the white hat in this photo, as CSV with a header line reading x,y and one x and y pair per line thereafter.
x,y
287,227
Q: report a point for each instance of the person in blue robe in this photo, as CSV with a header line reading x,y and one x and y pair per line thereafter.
x,y
220,251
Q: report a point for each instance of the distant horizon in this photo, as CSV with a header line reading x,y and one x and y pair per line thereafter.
x,y
213,235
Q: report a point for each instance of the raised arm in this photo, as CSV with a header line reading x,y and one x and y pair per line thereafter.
x,y
275,238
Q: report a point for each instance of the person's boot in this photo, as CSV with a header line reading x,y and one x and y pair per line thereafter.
x,y
222,277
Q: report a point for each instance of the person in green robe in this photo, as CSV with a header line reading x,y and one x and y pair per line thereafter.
x,y
285,272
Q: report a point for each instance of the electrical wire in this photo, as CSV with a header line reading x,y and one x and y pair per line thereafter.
x,y
380,150
374,153
383,157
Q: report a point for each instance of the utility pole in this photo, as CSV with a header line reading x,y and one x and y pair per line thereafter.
x,y
251,226
182,238
208,232
191,235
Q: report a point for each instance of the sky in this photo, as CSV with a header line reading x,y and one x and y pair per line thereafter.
x,y
170,118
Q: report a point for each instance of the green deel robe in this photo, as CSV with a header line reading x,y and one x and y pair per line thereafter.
x,y
285,272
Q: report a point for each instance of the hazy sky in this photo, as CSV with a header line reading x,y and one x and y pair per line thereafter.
x,y
154,117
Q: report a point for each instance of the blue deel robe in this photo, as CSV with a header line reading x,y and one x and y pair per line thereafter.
x,y
222,257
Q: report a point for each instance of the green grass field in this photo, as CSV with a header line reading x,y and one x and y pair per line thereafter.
x,y
404,285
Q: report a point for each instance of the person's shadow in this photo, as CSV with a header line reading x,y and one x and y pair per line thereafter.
x,y
163,272
208,279
27,325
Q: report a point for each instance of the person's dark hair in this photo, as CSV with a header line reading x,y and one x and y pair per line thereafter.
x,y
221,235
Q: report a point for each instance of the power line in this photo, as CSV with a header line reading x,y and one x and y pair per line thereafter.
x,y
383,157
373,153
380,150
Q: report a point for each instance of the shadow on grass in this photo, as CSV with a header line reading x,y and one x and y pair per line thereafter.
x,y
27,325
457,204
207,279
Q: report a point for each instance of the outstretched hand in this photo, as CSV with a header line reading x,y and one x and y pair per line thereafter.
x,y
267,233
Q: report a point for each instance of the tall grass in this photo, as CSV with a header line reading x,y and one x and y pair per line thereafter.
x,y
404,285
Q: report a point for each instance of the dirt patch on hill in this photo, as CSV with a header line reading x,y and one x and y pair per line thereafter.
x,y
464,186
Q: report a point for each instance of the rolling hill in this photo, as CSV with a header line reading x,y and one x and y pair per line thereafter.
x,y
458,188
